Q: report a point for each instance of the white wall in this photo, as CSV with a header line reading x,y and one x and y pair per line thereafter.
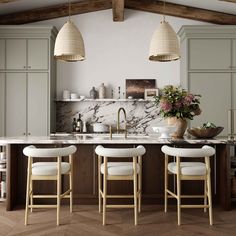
x,y
116,51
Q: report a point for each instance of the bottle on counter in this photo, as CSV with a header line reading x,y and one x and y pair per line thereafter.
x,y
84,127
74,125
93,93
79,126
102,91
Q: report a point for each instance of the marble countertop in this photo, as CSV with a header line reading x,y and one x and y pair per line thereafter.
x,y
105,139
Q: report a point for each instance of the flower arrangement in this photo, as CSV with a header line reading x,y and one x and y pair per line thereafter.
x,y
177,102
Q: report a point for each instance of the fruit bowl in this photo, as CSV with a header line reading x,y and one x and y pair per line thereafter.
x,y
205,132
165,131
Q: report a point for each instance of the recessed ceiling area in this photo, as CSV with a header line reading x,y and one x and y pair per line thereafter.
x,y
26,11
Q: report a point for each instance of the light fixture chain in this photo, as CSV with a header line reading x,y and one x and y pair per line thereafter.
x,y
164,10
69,8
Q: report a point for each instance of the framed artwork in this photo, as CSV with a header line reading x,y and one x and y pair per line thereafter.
x,y
136,87
150,93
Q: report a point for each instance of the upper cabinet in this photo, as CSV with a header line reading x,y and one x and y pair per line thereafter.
x,y
27,54
209,54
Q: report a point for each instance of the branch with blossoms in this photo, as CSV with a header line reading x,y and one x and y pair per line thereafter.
x,y
177,102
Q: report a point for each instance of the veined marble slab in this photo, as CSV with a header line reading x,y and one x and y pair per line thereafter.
x,y
141,116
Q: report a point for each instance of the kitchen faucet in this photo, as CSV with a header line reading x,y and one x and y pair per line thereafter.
x,y
118,121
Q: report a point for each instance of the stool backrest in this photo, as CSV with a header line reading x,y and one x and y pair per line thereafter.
x,y
32,151
120,152
205,151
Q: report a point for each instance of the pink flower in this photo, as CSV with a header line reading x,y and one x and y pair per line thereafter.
x,y
165,106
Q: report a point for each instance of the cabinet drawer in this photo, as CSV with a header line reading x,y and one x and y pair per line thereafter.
x,y
209,54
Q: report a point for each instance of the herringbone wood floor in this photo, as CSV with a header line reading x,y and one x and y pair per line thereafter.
x,y
86,221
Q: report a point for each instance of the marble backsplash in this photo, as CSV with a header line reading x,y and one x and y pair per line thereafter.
x,y
141,115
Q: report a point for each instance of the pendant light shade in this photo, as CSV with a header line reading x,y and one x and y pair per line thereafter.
x,y
164,44
69,45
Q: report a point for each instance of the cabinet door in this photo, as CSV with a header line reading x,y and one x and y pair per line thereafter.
x,y
37,104
215,89
2,54
234,54
209,54
15,104
38,54
2,103
15,54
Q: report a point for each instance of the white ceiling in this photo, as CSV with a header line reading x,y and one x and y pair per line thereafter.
x,y
22,5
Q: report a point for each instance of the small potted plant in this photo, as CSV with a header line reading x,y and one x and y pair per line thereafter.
x,y
176,102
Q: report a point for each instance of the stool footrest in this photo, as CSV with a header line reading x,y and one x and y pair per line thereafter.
x,y
194,206
119,206
42,206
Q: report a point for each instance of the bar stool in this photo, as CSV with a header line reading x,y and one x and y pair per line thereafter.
x,y
189,171
120,171
48,171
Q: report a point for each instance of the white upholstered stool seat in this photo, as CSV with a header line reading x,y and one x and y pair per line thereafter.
x,y
188,168
49,168
120,168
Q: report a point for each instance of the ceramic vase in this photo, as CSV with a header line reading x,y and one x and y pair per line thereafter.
x,y
181,126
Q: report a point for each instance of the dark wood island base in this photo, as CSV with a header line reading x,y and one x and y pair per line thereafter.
x,y
85,176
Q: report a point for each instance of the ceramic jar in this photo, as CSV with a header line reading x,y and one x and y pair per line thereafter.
x,y
102,91
93,93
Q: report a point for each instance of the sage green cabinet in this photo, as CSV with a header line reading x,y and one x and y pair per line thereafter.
x,y
28,80
209,54
208,67
27,54
2,54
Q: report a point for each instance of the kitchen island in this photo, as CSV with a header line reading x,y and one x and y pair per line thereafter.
x,y
85,168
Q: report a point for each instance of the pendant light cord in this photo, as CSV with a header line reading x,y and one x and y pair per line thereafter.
x,y
164,10
69,8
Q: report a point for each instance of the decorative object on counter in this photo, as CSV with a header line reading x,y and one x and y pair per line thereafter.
x,y
66,94
100,128
79,127
165,131
136,87
112,93
82,97
177,102
150,94
93,93
74,125
69,44
164,44
102,91
119,92
130,97
74,96
208,130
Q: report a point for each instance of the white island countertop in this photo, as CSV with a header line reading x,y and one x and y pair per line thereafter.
x,y
105,139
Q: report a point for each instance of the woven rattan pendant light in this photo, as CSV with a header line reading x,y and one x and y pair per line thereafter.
x,y
69,45
164,44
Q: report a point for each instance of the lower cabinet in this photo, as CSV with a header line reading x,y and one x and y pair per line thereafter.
x,y
85,178
27,111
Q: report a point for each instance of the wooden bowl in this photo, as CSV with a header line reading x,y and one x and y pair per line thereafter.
x,y
205,132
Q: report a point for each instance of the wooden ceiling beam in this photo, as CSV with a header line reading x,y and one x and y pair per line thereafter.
x,y
55,11
182,11
86,6
118,10
234,1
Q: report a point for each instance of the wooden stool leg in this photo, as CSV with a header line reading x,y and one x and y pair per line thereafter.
x,y
178,191
31,195
209,190
104,191
140,184
205,195
28,190
58,188
135,191
99,185
166,184
71,183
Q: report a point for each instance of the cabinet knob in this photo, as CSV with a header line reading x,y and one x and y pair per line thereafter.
x,y
29,67
24,66
23,133
29,133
